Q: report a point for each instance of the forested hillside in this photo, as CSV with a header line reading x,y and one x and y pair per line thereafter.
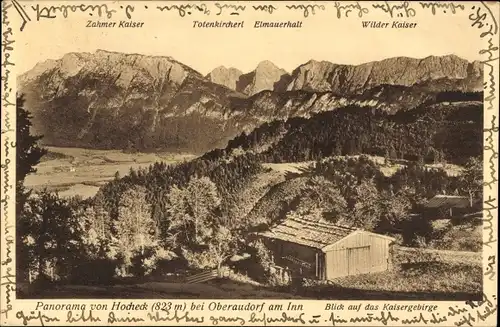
x,y
435,132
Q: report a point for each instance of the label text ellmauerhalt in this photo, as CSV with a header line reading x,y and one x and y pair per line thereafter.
x,y
287,24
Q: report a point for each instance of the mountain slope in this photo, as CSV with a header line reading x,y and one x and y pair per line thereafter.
x,y
433,132
114,100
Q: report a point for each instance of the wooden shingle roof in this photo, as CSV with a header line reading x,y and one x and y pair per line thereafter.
x,y
448,201
307,232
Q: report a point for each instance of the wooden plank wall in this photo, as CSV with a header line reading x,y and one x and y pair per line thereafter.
x,y
358,253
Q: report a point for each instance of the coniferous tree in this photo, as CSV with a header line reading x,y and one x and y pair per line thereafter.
x,y
52,236
28,151
28,155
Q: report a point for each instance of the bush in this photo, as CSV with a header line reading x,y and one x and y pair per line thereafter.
x,y
274,278
259,266
145,262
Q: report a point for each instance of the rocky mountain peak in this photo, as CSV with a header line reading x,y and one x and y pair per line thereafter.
x,y
225,76
266,76
267,65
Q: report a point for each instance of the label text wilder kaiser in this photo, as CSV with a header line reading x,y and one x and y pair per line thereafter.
x,y
394,24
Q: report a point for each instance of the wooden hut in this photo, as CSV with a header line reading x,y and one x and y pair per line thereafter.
x,y
322,250
451,205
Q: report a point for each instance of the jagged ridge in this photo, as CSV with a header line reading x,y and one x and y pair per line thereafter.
x,y
323,76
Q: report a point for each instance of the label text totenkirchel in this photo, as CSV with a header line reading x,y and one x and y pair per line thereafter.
x,y
120,24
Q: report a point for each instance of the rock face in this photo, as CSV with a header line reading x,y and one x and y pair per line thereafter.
x,y
225,76
324,76
130,101
266,76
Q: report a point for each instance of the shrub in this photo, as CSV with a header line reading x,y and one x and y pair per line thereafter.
x,y
260,264
146,261
275,278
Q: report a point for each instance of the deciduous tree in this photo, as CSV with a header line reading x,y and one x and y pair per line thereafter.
x,y
192,210
221,246
320,196
471,180
134,227
51,236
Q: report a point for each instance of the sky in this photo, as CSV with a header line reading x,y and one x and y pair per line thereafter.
x,y
322,37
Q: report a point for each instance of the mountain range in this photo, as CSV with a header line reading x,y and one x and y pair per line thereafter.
x,y
131,101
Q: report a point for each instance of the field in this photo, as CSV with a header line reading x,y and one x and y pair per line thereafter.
x,y
412,281
458,236
77,171
215,289
387,168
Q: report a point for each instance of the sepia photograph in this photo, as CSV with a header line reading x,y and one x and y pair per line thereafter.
x,y
248,163
142,177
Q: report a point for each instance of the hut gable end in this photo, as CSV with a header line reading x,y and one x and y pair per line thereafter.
x,y
363,238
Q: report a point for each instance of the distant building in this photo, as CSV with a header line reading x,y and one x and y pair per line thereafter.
x,y
452,205
321,250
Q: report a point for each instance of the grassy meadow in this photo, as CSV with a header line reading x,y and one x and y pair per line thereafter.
x,y
422,278
387,168
77,171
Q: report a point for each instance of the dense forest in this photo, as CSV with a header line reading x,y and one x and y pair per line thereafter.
x,y
440,132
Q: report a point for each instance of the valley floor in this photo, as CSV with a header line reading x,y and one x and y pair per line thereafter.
x,y
78,171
